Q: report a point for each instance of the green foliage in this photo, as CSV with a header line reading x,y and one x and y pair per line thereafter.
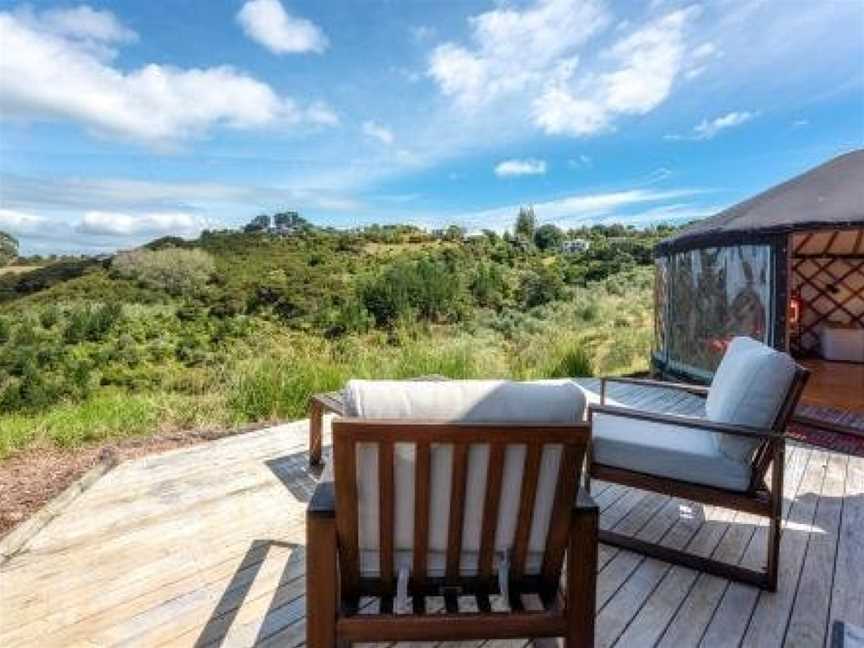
x,y
526,221
540,286
91,323
92,349
548,237
8,248
427,289
174,270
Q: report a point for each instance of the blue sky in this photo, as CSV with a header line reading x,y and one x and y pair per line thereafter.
x,y
121,121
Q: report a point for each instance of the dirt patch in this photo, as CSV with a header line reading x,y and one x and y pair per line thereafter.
x,y
29,479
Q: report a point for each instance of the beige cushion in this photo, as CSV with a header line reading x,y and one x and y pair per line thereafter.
x,y
465,401
660,449
749,387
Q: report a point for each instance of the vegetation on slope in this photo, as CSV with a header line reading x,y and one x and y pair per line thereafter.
x,y
243,326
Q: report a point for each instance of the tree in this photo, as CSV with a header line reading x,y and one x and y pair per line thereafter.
x,y
289,219
548,237
454,233
8,248
258,224
174,270
525,222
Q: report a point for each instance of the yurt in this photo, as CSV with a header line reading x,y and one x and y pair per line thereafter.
x,y
785,267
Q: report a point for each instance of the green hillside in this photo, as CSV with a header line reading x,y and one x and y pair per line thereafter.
x,y
242,326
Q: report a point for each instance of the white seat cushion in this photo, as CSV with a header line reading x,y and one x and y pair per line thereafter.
x,y
664,450
474,401
749,387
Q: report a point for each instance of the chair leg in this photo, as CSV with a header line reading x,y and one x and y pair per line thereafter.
x,y
321,581
776,521
316,417
582,577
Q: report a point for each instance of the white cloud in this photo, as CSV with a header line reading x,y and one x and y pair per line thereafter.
x,y
100,223
267,23
708,129
50,75
535,56
379,132
82,22
510,168
513,49
642,69
21,223
576,209
800,123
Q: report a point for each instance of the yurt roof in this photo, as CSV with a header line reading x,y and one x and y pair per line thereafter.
x,y
828,196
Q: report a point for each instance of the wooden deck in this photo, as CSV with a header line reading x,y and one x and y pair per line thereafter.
x,y
204,546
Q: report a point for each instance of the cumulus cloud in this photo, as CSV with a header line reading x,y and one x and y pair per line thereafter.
x,y
708,129
513,49
51,70
83,22
378,132
510,168
642,68
100,223
267,23
21,223
538,52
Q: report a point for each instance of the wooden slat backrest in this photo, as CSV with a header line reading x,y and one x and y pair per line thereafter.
x,y
763,456
347,433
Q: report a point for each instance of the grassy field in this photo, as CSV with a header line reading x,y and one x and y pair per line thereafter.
x,y
270,376
234,328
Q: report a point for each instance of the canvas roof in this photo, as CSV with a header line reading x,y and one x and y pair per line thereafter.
x,y
828,196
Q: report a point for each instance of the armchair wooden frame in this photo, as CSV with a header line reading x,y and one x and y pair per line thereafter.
x,y
760,498
334,582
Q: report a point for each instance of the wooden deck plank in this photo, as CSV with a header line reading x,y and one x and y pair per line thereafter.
x,y
847,595
172,550
808,625
693,615
771,614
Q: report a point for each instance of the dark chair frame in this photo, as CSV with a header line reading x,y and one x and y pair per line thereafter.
x,y
760,498
333,579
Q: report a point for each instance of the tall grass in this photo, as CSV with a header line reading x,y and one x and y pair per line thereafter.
x,y
597,332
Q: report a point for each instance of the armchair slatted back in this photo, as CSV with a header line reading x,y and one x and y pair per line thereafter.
x,y
496,486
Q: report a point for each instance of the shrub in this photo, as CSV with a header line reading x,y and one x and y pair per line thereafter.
x,y
49,316
174,270
426,287
540,287
575,361
91,323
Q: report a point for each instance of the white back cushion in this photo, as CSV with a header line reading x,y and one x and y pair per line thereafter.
x,y
749,388
475,401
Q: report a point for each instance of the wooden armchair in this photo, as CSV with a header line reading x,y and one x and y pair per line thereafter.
x,y
478,514
721,459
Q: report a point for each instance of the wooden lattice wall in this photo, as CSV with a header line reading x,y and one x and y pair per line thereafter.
x,y
827,272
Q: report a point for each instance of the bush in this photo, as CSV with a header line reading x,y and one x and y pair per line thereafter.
x,y
91,323
574,362
174,270
540,287
49,317
427,288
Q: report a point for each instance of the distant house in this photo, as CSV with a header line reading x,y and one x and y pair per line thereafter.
x,y
575,246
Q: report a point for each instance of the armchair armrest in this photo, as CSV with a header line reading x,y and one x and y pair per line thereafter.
x,y
697,390
323,502
685,421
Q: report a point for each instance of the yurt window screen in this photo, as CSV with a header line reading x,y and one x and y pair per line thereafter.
x,y
715,294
